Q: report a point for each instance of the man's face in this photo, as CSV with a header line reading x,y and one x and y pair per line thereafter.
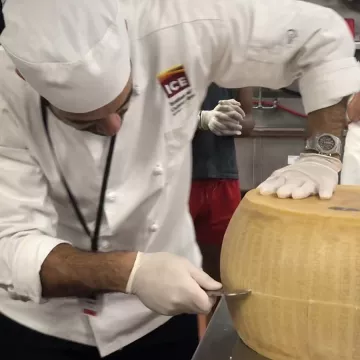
x,y
103,121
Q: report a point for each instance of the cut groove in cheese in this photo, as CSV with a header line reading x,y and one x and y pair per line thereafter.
x,y
301,258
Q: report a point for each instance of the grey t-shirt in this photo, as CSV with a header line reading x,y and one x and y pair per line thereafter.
x,y
214,157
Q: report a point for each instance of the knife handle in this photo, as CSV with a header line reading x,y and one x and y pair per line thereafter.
x,y
215,293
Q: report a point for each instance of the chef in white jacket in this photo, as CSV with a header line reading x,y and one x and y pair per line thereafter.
x,y
137,71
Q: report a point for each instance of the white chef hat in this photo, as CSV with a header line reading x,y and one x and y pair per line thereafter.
x,y
75,53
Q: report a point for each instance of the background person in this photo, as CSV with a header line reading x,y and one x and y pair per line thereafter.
x,y
215,191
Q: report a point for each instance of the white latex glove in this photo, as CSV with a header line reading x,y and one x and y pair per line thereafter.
x,y
169,284
311,174
224,120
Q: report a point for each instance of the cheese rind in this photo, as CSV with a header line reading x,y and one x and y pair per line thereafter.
x,y
301,259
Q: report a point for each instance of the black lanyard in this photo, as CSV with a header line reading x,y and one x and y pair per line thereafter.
x,y
2,20
95,236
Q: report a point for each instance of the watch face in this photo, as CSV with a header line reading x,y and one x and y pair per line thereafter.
x,y
326,143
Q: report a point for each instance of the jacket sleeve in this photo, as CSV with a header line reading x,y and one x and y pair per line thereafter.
x,y
27,216
271,43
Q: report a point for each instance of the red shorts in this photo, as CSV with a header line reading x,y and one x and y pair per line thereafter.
x,y
212,204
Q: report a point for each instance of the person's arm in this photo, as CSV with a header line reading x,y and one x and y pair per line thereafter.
x,y
331,120
279,42
67,271
245,98
34,263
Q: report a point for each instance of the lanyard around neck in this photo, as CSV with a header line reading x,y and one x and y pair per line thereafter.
x,y
94,237
2,20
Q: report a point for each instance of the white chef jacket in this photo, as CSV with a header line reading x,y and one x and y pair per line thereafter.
x,y
178,48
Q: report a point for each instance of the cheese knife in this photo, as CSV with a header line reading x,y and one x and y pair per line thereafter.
x,y
222,292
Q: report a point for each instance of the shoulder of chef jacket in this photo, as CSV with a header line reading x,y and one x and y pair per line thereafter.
x,y
178,49
238,43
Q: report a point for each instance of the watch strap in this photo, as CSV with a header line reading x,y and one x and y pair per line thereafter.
x,y
324,144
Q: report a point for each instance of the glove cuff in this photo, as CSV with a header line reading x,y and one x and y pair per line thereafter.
x,y
203,123
333,162
130,283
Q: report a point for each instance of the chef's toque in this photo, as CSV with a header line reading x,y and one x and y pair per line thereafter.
x,y
74,53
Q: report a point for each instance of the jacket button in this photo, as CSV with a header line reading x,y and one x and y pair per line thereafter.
x,y
105,245
154,227
158,170
111,195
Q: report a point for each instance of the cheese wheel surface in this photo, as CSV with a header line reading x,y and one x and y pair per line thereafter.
x,y
301,259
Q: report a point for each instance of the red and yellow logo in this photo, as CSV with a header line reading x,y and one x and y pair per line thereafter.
x,y
174,80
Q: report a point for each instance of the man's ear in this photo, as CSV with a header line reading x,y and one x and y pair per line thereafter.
x,y
18,73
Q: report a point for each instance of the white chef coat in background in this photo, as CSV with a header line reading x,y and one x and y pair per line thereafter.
x,y
235,43
350,173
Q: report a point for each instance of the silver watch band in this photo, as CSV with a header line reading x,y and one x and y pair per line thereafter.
x,y
324,144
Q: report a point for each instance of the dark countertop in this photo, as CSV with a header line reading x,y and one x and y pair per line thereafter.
x,y
221,341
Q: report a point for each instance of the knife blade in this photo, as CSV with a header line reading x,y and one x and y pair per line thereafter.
x,y
222,292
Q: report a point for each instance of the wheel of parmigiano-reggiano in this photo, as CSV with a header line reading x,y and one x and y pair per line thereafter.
x,y
301,259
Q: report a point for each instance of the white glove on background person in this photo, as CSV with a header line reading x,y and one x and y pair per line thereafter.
x,y
169,284
311,174
224,120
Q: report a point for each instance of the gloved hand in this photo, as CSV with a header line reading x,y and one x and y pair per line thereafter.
x,y
311,174
224,120
169,284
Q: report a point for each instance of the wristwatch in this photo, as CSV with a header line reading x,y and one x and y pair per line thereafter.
x,y
324,144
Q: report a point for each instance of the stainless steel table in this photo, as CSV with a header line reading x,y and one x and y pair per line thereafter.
x,y
221,341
